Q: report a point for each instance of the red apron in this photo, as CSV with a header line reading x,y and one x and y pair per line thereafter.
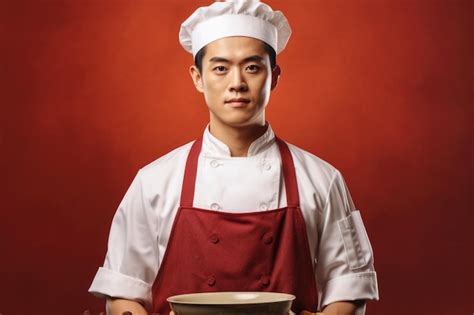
x,y
212,251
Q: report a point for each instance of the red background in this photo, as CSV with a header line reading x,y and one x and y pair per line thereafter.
x,y
93,90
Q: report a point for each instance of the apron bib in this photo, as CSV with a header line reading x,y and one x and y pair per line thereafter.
x,y
210,251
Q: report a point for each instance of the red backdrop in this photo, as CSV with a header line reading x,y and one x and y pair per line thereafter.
x,y
93,90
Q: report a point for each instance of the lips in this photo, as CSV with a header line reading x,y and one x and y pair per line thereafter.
x,y
237,102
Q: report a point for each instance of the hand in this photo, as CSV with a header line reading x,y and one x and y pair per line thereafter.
x,y
117,306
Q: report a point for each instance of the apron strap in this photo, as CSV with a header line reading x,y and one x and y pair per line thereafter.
x,y
189,180
190,172
289,174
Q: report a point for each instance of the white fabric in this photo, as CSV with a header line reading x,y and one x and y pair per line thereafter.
x,y
234,18
340,248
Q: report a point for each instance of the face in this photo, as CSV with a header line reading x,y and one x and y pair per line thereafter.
x,y
236,81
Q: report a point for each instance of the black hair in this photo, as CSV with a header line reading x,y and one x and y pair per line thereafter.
x,y
269,49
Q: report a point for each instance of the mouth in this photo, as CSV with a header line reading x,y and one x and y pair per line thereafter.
x,y
237,102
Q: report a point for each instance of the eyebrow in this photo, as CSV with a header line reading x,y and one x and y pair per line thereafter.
x,y
255,58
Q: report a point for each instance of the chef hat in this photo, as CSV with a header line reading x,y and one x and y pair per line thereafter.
x,y
250,18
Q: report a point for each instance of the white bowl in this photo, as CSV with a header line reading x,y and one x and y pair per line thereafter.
x,y
232,303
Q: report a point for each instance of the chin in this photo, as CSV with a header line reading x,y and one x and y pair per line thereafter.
x,y
237,122
237,119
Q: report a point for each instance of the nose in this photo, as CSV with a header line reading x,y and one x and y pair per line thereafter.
x,y
238,83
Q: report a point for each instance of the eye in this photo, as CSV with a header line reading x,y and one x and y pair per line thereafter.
x,y
253,68
219,69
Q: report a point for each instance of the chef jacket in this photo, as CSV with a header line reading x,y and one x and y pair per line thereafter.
x,y
340,249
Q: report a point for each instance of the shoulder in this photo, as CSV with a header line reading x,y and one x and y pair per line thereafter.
x,y
309,160
169,158
312,169
166,166
321,176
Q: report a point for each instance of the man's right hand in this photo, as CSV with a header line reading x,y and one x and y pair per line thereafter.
x,y
120,306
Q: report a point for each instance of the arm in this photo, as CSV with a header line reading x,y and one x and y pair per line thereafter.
x,y
119,306
131,262
344,267
343,307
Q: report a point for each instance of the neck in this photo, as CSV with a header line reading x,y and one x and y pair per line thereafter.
x,y
238,139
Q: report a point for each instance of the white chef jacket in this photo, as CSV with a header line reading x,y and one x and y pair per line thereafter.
x,y
340,249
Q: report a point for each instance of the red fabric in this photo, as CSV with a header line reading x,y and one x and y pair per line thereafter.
x,y
220,251
187,192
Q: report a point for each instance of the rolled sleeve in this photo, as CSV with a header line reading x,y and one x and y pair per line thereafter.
x,y
358,286
345,265
111,283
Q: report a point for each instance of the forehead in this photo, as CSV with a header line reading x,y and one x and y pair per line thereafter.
x,y
235,48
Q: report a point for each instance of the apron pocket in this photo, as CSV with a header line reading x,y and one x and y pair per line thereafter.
x,y
355,239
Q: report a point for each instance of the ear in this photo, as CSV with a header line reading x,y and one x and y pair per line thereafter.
x,y
197,78
275,76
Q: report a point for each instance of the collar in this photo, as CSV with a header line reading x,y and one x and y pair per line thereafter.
x,y
215,147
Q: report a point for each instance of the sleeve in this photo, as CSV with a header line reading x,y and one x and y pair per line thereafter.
x,y
130,265
345,264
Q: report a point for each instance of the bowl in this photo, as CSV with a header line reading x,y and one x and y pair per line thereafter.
x,y
232,303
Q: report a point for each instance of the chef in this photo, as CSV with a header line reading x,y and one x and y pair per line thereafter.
x,y
237,209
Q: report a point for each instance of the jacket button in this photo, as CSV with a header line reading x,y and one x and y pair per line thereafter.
x,y
267,166
263,206
268,239
211,281
265,281
215,206
214,239
214,163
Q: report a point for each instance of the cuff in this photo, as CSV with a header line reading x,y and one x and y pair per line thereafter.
x,y
359,286
114,284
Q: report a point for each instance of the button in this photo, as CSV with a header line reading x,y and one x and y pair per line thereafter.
x,y
265,281
267,166
215,206
263,206
211,281
268,238
215,163
214,239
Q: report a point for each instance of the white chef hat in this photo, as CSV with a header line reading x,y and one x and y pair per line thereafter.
x,y
250,18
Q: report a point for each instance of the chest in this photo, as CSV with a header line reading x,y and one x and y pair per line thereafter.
x,y
238,185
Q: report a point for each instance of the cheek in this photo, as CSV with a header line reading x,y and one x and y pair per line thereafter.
x,y
213,88
262,87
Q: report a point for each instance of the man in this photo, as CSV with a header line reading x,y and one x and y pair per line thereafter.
x,y
238,209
